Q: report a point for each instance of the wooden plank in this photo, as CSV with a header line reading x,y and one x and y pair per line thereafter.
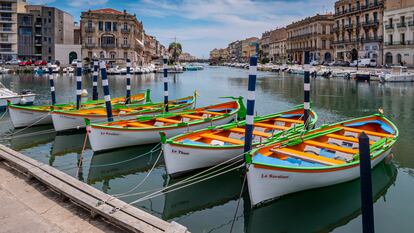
x,y
345,138
330,146
308,156
289,120
222,138
270,126
257,133
368,132
138,124
212,113
166,120
133,212
192,116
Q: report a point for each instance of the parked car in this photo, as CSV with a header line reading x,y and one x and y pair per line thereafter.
x,y
365,62
40,63
13,62
25,63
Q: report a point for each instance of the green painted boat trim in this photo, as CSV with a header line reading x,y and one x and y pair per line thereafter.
x,y
376,149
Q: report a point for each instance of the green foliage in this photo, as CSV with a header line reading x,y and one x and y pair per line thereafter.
x,y
175,49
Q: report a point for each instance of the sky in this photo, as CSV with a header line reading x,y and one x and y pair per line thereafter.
x,y
202,25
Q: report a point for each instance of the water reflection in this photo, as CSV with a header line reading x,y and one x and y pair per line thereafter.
x,y
318,210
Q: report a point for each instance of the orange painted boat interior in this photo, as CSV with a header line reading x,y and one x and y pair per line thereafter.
x,y
187,116
262,131
342,143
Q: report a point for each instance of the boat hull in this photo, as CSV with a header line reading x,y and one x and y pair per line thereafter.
x,y
399,78
22,117
266,184
102,138
24,100
183,159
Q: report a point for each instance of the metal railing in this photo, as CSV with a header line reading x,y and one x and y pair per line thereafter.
x,y
108,46
389,26
370,23
6,19
411,23
360,8
6,50
125,30
125,46
401,25
3,8
6,29
90,45
89,29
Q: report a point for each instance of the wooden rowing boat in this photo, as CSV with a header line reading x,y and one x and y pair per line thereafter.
x,y
22,116
321,157
209,147
74,119
145,130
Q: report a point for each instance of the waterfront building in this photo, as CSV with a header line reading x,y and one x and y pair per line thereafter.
x,y
277,45
358,29
249,47
114,35
313,34
399,32
186,57
264,46
235,51
46,33
219,55
8,27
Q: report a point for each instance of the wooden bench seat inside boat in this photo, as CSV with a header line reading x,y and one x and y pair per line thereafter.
x,y
192,116
368,132
308,157
222,138
270,126
289,120
166,120
137,124
212,113
255,132
330,146
345,138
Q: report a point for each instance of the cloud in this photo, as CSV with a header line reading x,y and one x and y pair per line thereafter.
x,y
40,2
214,23
86,3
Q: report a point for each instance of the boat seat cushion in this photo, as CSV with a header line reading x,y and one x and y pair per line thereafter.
x,y
217,143
190,142
291,115
382,124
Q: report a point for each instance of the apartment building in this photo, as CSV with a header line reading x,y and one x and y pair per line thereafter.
x,y
46,33
277,45
249,48
399,32
264,45
313,34
358,29
8,27
235,50
114,35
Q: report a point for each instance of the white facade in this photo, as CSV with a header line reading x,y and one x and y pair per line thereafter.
x,y
399,36
65,51
277,51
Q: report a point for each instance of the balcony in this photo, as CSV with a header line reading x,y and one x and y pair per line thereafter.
x,y
399,43
7,41
348,26
6,9
6,19
108,46
89,29
389,26
38,24
6,30
360,8
90,45
411,24
125,46
125,30
371,23
372,39
6,50
401,25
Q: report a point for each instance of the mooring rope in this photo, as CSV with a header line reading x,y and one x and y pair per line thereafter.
x,y
21,130
238,201
4,114
81,155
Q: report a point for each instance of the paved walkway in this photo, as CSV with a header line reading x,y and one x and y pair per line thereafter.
x,y
29,206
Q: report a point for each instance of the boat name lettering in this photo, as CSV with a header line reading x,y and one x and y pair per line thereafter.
x,y
109,134
28,113
274,176
180,152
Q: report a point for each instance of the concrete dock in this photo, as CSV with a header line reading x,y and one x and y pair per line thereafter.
x,y
35,197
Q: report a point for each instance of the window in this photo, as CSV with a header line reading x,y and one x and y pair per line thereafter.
x,y
90,54
89,40
100,25
349,21
125,55
366,18
402,20
125,26
366,2
45,39
50,13
375,16
50,50
349,7
113,55
125,40
390,39
108,26
358,5
402,38
89,23
115,26
390,21
357,20
50,20
50,40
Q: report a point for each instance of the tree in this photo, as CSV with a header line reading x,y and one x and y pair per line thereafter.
x,y
175,49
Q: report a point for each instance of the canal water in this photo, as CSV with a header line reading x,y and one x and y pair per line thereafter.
x,y
210,206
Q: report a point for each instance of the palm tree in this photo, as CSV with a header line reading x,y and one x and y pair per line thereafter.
x,y
175,50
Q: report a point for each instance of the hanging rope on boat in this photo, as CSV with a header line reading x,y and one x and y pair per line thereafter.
x,y
81,155
4,114
47,131
140,183
37,121
238,201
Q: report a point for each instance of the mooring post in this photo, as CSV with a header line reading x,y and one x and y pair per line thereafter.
x,y
366,184
306,90
105,87
51,83
78,83
95,79
250,104
165,79
128,82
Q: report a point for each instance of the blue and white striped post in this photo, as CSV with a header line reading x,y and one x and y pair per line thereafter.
x,y
128,82
306,90
165,79
95,80
51,83
250,104
78,83
105,87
